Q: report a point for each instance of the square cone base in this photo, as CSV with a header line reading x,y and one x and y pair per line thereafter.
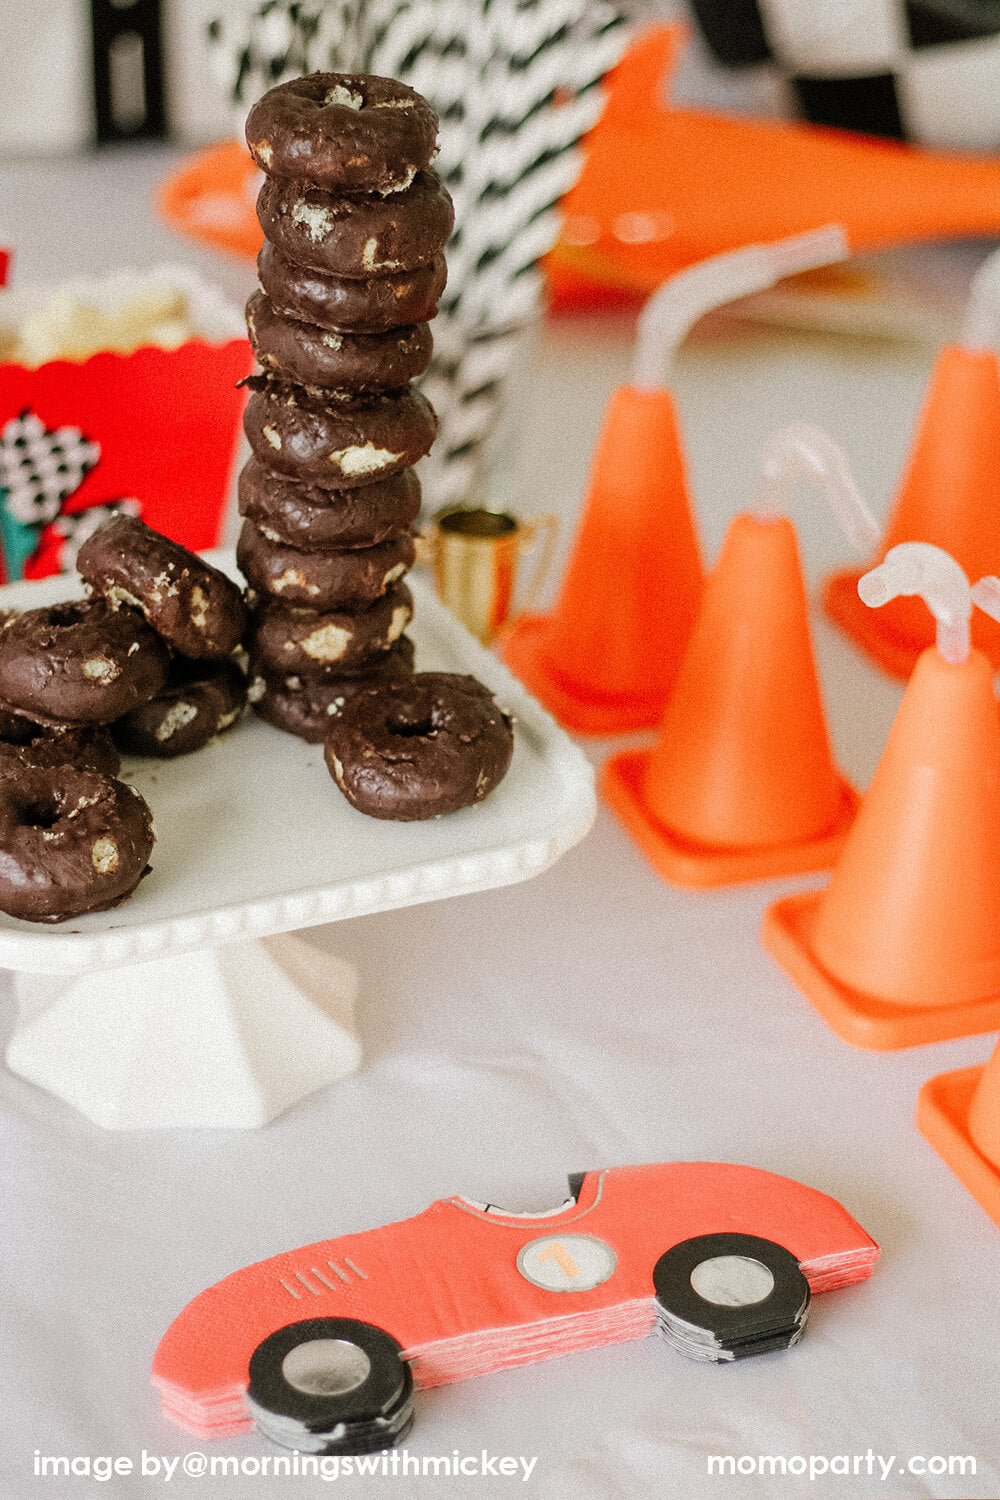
x,y
522,647
942,1115
866,627
877,1025
701,866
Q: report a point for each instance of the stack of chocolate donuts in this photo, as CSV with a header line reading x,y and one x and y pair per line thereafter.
x,y
145,663
352,268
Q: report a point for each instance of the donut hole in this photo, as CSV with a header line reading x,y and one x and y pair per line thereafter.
x,y
42,811
411,729
22,733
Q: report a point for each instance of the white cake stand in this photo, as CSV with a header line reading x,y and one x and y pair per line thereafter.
x,y
199,1002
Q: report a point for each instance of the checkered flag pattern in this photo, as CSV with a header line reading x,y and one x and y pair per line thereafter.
x,y
41,467
926,71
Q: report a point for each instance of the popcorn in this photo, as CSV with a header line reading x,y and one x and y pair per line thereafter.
x,y
68,326
163,307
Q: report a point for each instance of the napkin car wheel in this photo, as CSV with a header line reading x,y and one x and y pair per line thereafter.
x,y
726,1296
331,1385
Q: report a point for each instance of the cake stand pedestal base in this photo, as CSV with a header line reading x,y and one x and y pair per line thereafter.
x,y
225,1037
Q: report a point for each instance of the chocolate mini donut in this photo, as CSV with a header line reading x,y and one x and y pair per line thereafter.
x,y
193,606
346,132
315,356
371,306
336,444
313,519
200,701
414,748
328,643
346,579
80,663
368,236
32,744
304,706
71,841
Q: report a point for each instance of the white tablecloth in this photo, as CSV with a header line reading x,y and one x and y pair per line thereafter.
x,y
593,1017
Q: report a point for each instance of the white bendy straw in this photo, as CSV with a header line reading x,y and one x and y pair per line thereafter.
x,y
933,574
986,593
801,452
677,305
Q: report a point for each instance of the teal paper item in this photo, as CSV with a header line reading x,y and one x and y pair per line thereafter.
x,y
17,539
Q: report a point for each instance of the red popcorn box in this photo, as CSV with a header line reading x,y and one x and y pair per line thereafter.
x,y
152,431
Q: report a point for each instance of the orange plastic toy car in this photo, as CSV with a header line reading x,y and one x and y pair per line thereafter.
x,y
323,1346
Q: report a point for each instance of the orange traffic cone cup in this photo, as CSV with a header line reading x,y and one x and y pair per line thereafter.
x,y
604,661
606,658
959,1113
949,495
903,946
741,783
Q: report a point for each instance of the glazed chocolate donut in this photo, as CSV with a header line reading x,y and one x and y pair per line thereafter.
x,y
32,744
330,643
200,701
311,519
417,747
194,607
349,132
357,237
314,356
304,706
80,663
346,579
336,444
371,306
71,841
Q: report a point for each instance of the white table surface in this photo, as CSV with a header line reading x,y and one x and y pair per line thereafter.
x,y
591,1017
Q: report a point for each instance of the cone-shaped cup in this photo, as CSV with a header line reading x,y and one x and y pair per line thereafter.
x,y
606,658
912,911
743,758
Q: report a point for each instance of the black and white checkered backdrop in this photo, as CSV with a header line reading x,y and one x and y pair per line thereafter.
x,y
921,70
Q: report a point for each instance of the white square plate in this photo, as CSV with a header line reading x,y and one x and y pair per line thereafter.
x,y
253,837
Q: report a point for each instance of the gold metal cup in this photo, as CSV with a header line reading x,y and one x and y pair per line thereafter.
x,y
475,554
